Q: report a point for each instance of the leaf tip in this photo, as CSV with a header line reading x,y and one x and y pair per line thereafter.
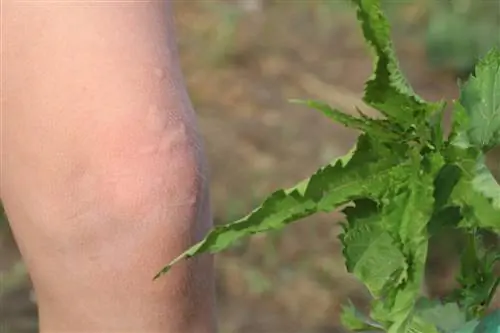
x,y
164,271
296,101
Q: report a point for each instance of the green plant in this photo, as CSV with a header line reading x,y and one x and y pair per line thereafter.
x,y
461,31
225,31
403,182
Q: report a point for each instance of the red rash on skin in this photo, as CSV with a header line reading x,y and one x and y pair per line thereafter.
x,y
103,173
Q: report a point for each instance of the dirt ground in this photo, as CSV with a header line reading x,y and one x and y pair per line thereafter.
x,y
293,281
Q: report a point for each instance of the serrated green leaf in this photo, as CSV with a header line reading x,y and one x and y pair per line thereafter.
x,y
371,254
476,193
478,282
372,168
436,123
445,216
418,325
388,91
447,317
461,121
480,102
338,116
406,216
278,210
400,321
485,183
444,183
329,188
401,314
386,248
352,319
375,127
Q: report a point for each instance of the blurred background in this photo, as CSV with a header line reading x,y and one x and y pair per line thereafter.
x,y
243,59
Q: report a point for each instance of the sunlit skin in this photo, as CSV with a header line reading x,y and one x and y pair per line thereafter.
x,y
103,172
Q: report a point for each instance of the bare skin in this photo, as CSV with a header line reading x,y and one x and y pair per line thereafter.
x,y
103,174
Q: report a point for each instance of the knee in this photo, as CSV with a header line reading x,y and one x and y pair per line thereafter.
x,y
126,180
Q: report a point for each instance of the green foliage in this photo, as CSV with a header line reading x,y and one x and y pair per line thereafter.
x,y
480,101
403,182
434,312
222,44
461,31
388,91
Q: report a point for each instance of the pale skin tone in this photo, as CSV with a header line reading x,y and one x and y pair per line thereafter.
x,y
103,175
